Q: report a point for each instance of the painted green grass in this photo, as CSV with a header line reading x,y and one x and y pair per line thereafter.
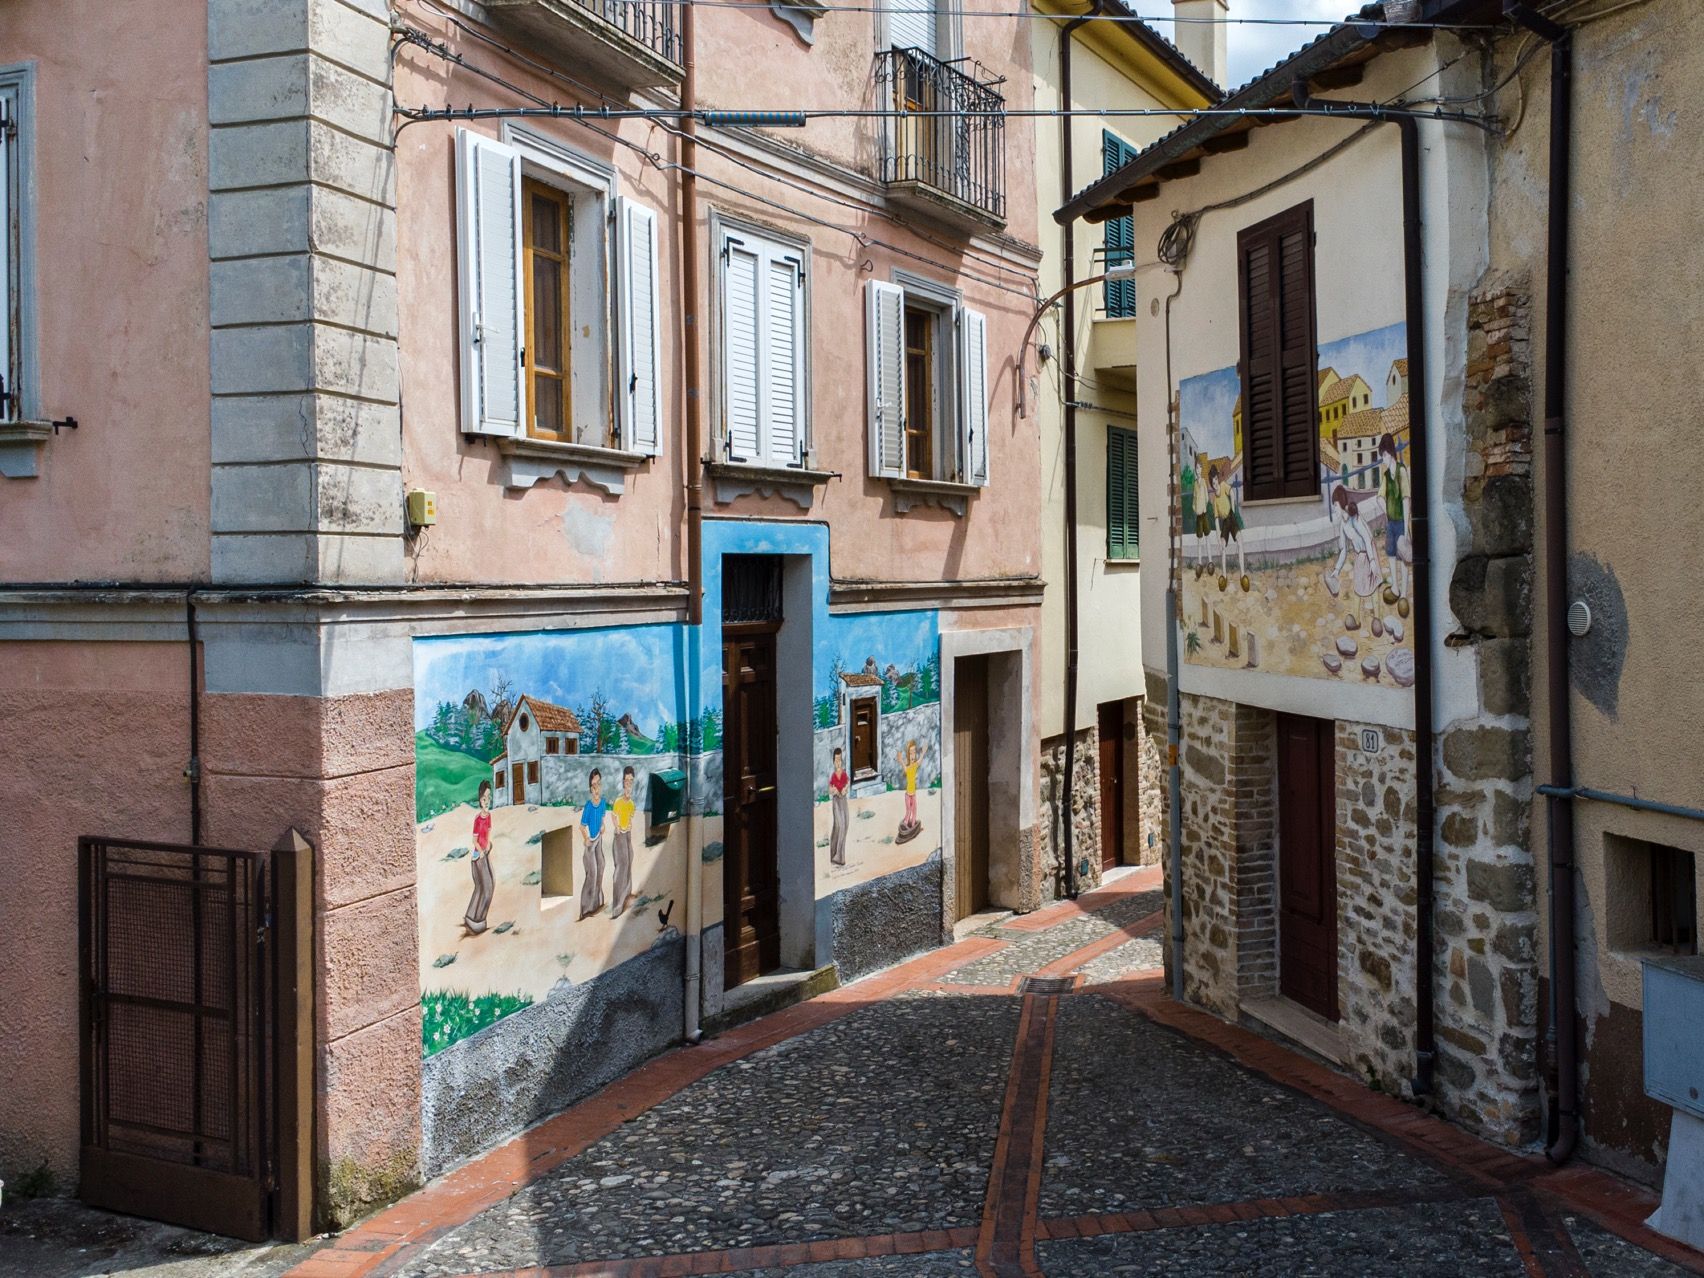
x,y
448,1016
444,777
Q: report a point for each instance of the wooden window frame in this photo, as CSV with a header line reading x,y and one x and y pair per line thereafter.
x,y
532,771
1304,416
1130,551
532,188
922,439
1118,297
552,745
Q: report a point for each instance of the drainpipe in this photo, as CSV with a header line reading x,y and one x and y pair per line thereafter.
x,y
192,769
1174,697
1420,539
1068,357
693,458
1559,794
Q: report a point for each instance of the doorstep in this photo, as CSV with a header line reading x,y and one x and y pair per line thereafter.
x,y
972,923
770,993
1298,1025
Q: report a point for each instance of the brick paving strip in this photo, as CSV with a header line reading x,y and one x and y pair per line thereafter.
x,y
1530,1194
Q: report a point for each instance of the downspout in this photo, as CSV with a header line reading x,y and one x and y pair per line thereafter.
x,y
192,769
1559,793
1068,357
1174,697
693,459
1420,541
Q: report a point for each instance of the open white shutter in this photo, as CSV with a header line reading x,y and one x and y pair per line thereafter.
x,y
640,397
914,24
885,340
11,408
741,390
783,347
488,256
973,396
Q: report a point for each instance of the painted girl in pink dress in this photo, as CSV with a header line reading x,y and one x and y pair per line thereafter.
x,y
839,782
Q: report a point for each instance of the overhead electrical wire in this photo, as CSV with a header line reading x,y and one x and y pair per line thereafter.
x,y
1143,19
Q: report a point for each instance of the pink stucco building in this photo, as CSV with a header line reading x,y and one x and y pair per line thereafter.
x,y
426,464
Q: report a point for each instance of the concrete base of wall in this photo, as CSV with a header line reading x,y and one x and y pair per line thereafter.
x,y
531,1064
876,924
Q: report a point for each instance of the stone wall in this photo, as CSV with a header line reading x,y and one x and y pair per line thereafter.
x,y
1085,815
1487,902
1376,902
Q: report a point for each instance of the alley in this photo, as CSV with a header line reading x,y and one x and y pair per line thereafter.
x,y
1024,1102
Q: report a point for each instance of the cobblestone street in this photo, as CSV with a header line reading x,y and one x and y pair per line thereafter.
x,y
1027,1101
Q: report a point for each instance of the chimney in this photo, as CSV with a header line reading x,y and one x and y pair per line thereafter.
x,y
1200,34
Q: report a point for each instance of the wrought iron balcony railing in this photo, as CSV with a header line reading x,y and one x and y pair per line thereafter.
x,y
634,43
944,139
653,23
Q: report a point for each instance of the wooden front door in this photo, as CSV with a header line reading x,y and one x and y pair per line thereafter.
x,y
751,914
970,783
1112,784
1307,863
518,783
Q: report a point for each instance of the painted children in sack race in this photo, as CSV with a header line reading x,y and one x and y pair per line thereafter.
x,y
592,826
621,850
1355,540
1394,485
909,826
479,904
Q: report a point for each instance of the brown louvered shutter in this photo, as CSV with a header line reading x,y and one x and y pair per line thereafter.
x,y
1278,357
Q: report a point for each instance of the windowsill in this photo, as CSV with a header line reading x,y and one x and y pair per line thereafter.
x,y
795,483
1267,503
531,461
1121,565
947,494
20,447
1114,319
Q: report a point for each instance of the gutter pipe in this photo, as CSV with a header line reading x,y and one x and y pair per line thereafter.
x,y
693,459
1560,792
1174,697
1068,361
1420,539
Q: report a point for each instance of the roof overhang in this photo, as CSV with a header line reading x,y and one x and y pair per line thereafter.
x,y
1180,79
1335,60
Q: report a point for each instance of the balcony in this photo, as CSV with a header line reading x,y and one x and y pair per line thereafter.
x,y
943,149
631,44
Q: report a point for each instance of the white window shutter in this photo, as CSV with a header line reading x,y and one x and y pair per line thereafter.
x,y
914,24
973,396
741,364
641,400
12,408
488,254
783,345
885,342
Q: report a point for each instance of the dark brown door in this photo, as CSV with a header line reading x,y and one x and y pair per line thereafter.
x,y
1307,863
970,782
1112,784
518,783
751,918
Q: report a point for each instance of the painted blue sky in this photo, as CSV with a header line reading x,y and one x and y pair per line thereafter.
x,y
1369,354
903,639
634,668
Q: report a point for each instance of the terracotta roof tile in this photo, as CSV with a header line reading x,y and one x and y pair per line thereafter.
x,y
552,718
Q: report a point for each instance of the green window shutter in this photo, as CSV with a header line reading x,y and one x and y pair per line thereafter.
x,y
1122,512
1120,233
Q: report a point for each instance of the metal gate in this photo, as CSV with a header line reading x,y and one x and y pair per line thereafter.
x,y
179,995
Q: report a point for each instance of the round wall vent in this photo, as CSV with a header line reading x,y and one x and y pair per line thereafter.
x,y
1579,618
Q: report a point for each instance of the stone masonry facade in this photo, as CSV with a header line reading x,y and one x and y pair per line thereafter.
x,y
1487,922
1144,829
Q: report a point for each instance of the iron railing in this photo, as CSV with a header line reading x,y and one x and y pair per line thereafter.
x,y
945,131
652,23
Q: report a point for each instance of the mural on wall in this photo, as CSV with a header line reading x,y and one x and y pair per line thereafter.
x,y
878,745
1319,588
533,755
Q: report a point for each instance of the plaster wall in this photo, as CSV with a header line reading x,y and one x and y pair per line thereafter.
x,y
118,146
1638,121
1358,268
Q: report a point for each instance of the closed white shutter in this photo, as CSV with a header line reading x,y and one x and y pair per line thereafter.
x,y
741,278
12,407
913,24
488,252
783,347
973,395
885,342
641,404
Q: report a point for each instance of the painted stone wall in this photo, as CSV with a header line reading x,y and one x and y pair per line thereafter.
x,y
1321,589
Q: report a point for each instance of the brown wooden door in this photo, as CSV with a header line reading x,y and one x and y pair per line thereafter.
x,y
518,784
970,783
751,918
1307,863
1112,784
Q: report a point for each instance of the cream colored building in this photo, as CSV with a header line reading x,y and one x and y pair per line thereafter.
x,y
1112,63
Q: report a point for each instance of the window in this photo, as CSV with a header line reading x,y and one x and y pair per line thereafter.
x,y
1278,357
535,257
918,24
556,867
18,394
1122,508
525,722
502,778
928,385
764,341
553,745
1654,896
1120,233
864,761
532,772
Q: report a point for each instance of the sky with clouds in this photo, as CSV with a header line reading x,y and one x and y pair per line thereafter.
x,y
1254,47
